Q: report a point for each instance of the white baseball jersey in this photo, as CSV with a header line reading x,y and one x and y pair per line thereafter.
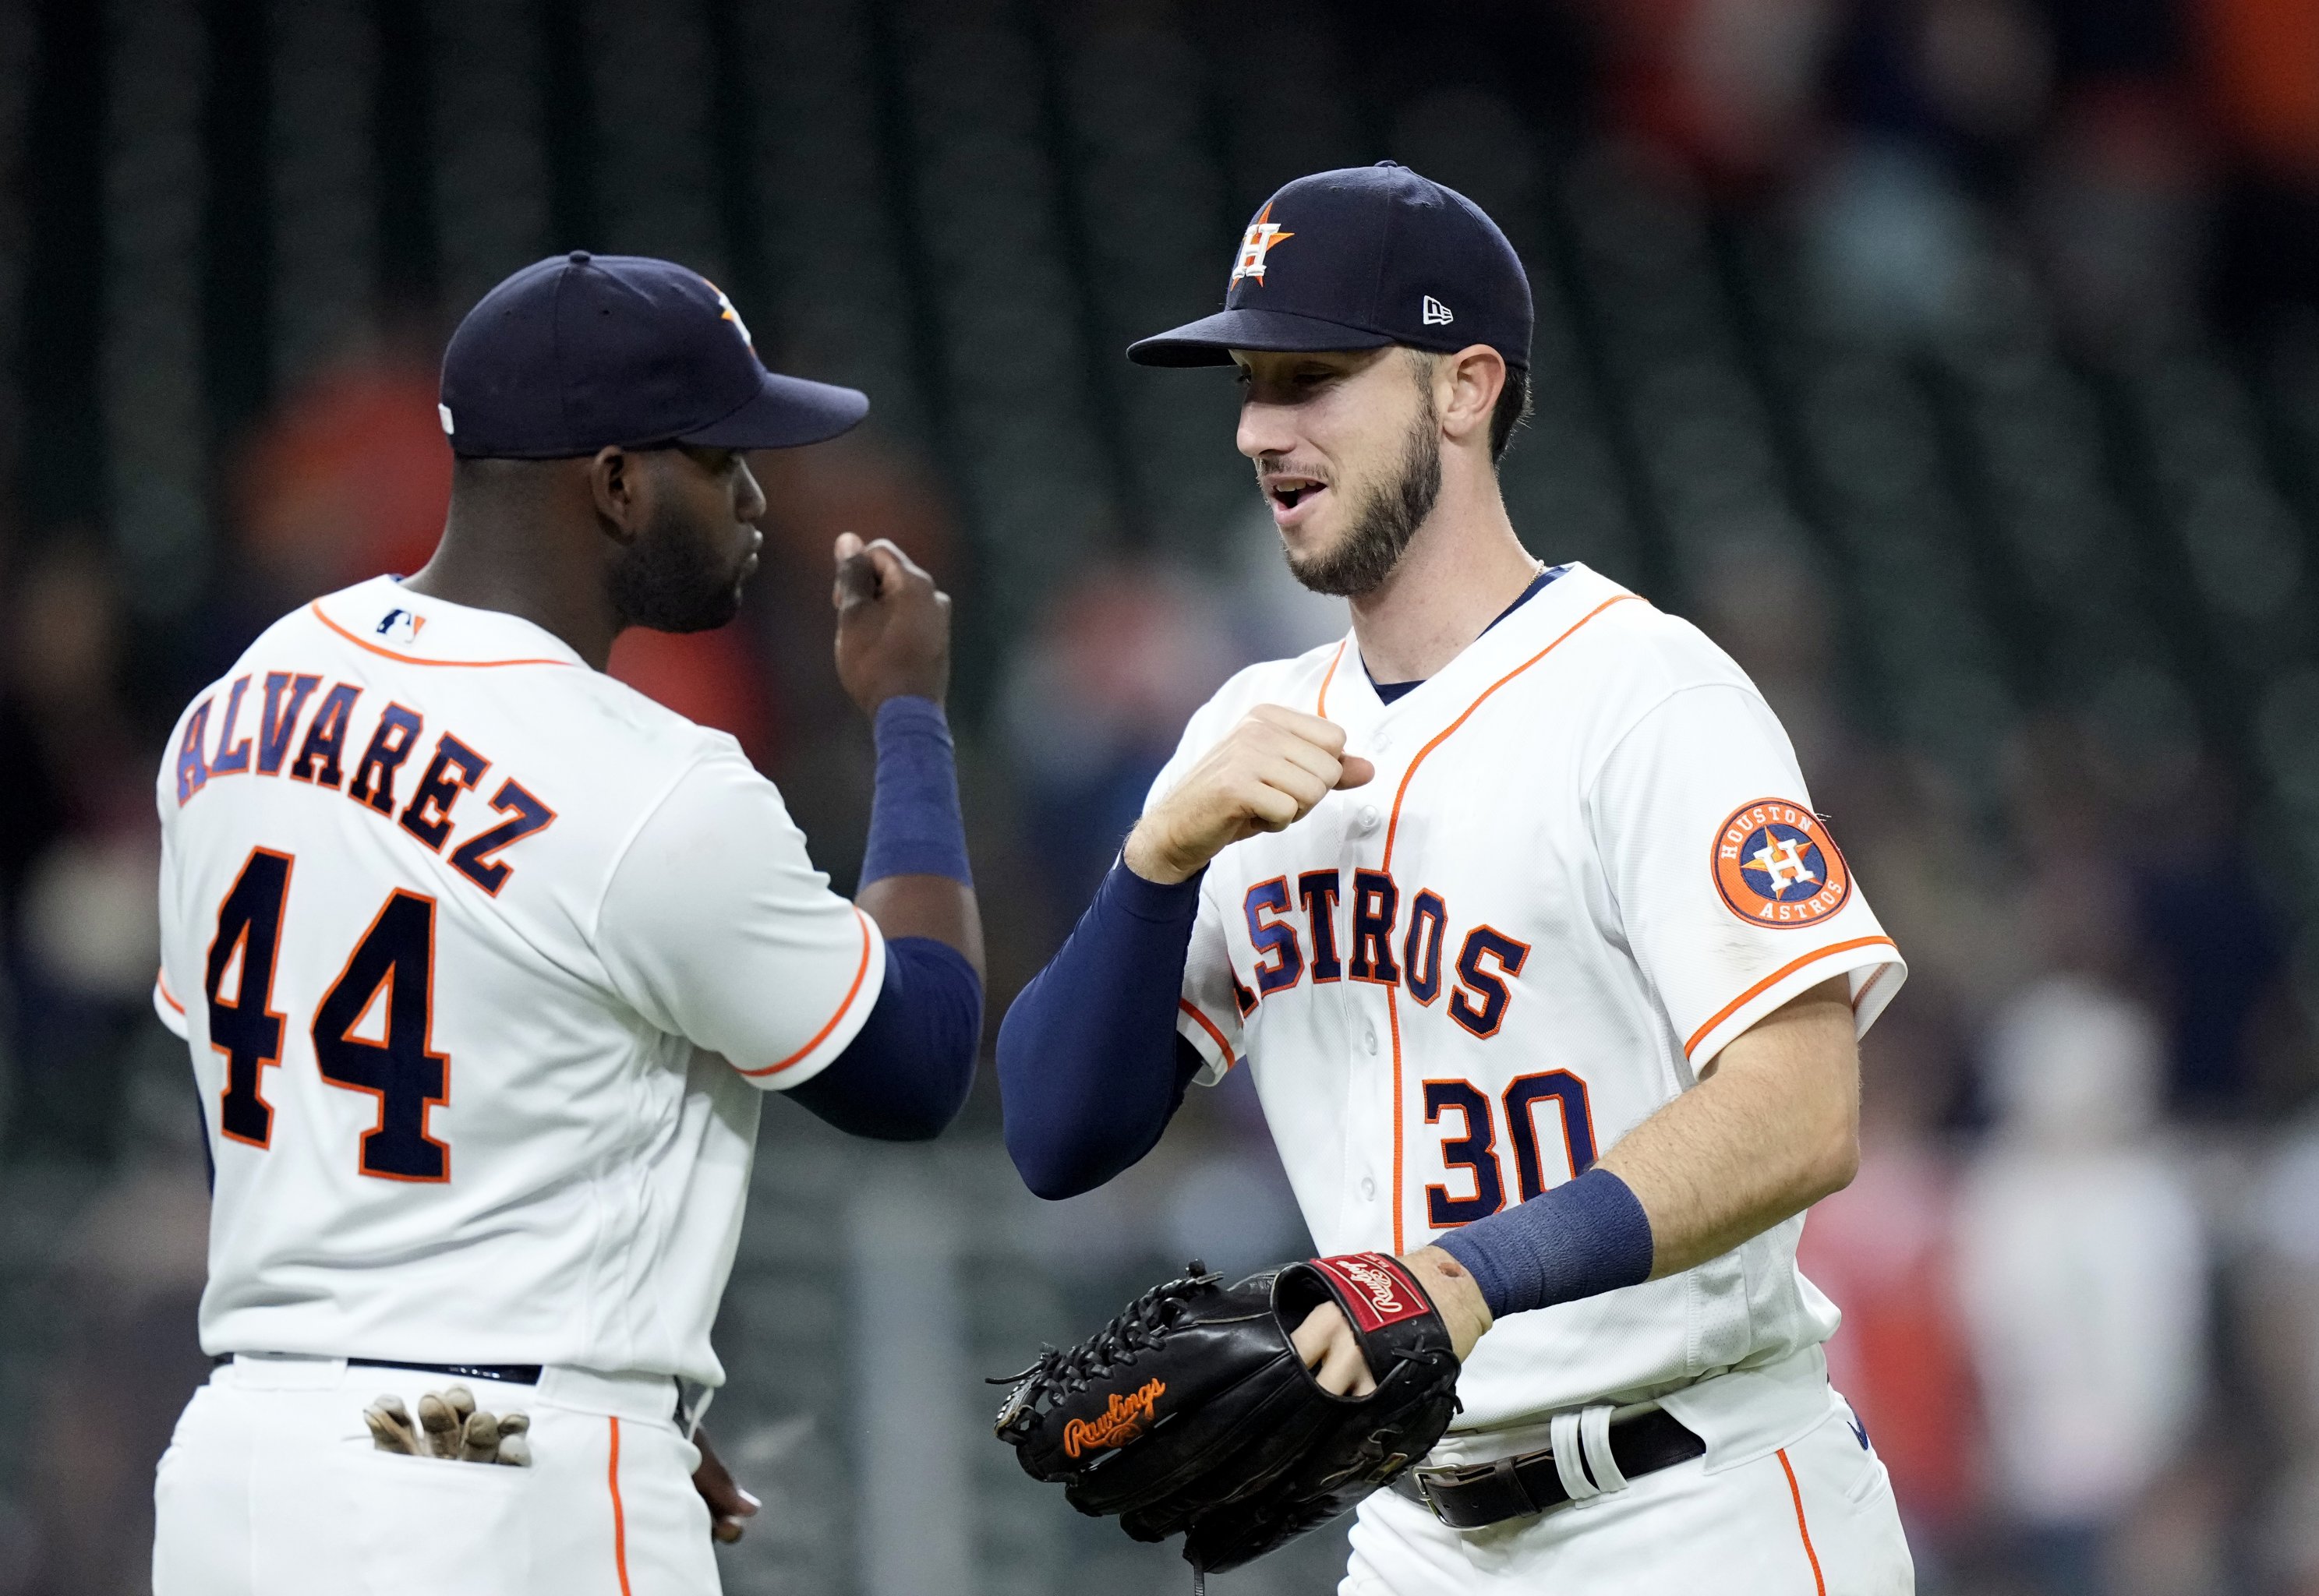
x,y
482,958
1587,862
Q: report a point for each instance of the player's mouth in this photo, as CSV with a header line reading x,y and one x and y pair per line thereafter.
x,y
1293,498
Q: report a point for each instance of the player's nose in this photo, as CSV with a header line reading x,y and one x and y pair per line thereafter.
x,y
1266,429
750,502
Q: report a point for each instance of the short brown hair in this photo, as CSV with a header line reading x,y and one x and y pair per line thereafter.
x,y
1510,411
1508,414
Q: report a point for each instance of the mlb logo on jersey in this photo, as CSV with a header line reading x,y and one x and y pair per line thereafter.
x,y
399,625
1776,865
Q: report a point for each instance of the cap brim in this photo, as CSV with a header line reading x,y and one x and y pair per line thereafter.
x,y
1210,340
784,413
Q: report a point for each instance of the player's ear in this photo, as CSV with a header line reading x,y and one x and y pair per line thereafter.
x,y
1473,377
616,478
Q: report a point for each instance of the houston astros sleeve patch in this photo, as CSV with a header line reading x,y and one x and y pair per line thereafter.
x,y
1777,867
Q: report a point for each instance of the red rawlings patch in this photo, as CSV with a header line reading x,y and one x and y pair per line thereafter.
x,y
1777,867
1377,1287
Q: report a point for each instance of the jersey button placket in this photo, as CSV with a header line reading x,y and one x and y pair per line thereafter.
x,y
1369,1128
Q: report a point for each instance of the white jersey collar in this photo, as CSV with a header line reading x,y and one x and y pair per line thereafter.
x,y
382,617
1565,600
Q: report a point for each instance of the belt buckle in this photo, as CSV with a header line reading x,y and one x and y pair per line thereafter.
x,y
1502,1469
1422,1478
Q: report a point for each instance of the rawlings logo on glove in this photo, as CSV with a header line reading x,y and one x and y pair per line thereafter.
x,y
1120,1423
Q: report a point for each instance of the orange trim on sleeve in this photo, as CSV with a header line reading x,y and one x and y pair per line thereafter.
x,y
1796,1495
619,1514
1320,704
852,992
1392,831
1868,985
1209,1026
161,985
412,659
1779,975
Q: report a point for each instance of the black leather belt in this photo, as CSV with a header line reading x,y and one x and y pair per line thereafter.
x,y
514,1373
1477,1495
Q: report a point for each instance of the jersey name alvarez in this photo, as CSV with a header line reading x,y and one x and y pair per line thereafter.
x,y
483,959
387,735
1458,984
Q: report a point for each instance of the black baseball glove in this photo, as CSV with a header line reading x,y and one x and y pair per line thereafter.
x,y
1192,1412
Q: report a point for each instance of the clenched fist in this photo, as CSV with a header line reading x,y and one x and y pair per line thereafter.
x,y
893,625
1265,775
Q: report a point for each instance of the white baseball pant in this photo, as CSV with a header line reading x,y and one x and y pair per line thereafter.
x,y
271,1486
1816,1518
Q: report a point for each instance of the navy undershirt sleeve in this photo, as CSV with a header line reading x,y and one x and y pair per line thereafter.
x,y
905,1074
1090,1066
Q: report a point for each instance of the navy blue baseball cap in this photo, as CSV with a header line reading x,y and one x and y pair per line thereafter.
x,y
580,351
1358,258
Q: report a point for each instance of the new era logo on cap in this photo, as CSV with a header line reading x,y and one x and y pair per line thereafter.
x,y
1434,313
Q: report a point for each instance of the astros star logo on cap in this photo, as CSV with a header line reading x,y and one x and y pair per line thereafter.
x,y
732,315
1262,234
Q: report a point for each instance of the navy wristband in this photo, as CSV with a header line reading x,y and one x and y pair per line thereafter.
x,y
916,827
1585,1237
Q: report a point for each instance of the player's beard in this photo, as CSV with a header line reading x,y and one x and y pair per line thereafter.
x,y
672,579
1385,520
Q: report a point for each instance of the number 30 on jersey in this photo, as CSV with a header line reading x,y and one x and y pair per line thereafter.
x,y
1474,1149
394,963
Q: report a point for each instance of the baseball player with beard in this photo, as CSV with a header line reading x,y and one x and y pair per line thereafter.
x,y
484,962
1515,905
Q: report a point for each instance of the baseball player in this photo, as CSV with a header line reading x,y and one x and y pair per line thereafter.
x,y
484,961
1515,905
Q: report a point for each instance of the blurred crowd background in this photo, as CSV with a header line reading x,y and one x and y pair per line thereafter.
x,y
1954,363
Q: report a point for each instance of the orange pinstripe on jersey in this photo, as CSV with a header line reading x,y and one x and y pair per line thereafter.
x,y
161,985
1444,734
852,992
619,1514
1393,830
1320,704
1796,1495
412,659
1781,974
